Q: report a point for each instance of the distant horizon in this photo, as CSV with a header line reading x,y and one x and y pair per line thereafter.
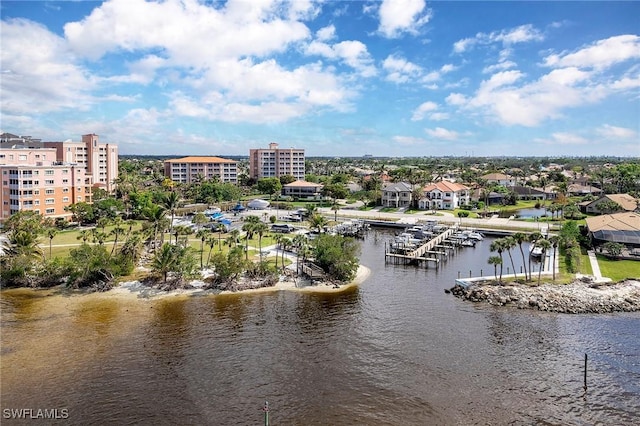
x,y
308,157
407,78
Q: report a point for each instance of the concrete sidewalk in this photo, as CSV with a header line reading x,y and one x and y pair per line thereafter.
x,y
595,267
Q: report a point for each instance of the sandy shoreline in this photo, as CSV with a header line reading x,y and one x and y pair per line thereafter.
x,y
134,289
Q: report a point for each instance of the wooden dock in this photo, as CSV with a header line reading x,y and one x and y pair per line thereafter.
x,y
429,248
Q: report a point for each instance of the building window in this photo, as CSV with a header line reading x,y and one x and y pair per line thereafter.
x,y
49,191
50,211
65,199
48,172
48,182
22,157
50,201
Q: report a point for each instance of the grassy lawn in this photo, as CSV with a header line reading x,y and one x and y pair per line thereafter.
x,y
389,210
471,214
619,270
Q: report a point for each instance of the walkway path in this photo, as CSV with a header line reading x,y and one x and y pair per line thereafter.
x,y
595,267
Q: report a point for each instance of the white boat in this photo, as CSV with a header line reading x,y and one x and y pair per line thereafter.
x,y
473,235
535,251
468,243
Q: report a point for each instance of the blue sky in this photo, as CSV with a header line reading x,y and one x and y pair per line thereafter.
x,y
337,78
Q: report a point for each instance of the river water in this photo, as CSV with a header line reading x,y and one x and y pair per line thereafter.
x,y
396,350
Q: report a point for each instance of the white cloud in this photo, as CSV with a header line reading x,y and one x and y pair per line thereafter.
x,y
521,34
402,16
420,112
601,54
439,116
614,132
326,33
442,133
456,99
39,73
500,66
189,33
399,70
564,138
352,52
501,99
463,45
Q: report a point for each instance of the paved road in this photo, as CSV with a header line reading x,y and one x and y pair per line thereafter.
x,y
494,222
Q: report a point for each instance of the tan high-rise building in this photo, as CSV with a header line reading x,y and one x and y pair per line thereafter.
x,y
99,159
33,179
189,169
276,162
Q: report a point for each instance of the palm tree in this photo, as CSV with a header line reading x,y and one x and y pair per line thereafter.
x,y
278,238
103,222
24,243
508,243
260,229
51,232
98,237
84,235
164,261
171,202
498,245
554,240
318,222
249,228
299,242
335,207
132,246
544,244
202,234
520,238
495,261
532,238
211,241
116,232
155,215
287,243
182,230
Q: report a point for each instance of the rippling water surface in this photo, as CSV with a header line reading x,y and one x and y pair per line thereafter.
x,y
395,351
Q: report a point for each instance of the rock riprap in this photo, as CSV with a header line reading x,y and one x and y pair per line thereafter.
x,y
581,296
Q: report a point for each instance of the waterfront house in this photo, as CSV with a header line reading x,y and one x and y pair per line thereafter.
x,y
580,190
527,193
302,189
444,195
623,228
602,204
397,195
500,179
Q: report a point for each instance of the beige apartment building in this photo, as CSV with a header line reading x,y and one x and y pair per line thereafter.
x,y
33,179
276,162
190,169
99,159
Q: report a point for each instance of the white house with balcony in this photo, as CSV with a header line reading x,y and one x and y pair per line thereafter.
x,y
444,195
397,195
302,189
